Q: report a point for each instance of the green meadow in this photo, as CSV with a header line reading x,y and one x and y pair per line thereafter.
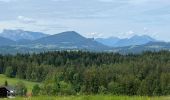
x,y
94,97
13,81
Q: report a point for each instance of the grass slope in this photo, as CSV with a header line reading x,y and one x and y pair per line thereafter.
x,y
94,97
13,81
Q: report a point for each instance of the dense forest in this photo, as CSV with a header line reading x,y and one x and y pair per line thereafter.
x,y
76,72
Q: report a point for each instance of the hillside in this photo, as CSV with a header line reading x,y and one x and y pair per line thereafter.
x,y
5,41
111,41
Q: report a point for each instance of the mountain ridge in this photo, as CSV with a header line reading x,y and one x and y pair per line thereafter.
x,y
71,40
19,34
134,40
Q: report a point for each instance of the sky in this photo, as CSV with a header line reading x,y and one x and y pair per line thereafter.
x,y
91,18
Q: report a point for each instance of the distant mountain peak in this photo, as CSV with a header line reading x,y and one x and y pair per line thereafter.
x,y
70,33
134,40
70,39
20,34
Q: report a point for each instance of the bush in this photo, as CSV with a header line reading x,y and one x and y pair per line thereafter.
x,y
115,88
66,89
21,89
36,90
102,90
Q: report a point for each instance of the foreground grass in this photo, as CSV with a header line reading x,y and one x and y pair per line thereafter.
x,y
94,97
13,81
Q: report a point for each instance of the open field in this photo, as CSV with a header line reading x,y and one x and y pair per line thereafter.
x,y
96,97
13,81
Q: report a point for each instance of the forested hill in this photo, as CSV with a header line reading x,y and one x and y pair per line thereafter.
x,y
92,73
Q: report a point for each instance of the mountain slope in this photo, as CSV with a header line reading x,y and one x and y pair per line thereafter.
x,y
21,35
108,41
70,39
5,41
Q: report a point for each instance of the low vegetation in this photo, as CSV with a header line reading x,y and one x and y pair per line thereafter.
x,y
94,97
14,81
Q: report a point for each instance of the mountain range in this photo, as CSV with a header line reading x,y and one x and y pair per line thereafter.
x,y
34,40
151,46
134,40
14,41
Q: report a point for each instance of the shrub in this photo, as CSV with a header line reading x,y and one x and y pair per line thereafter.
x,y
21,89
36,90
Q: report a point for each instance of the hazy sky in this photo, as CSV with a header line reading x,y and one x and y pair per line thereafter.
x,y
99,18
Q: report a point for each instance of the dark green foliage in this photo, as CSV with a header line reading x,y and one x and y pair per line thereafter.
x,y
6,83
9,72
36,90
115,88
75,72
20,89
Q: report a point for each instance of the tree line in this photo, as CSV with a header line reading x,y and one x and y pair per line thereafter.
x,y
77,72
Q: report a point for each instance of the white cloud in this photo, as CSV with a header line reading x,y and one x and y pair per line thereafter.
x,y
130,32
127,34
94,35
25,20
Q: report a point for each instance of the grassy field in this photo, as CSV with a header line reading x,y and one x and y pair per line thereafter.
x,y
13,81
96,97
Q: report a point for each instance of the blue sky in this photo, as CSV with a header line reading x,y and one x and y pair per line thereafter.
x,y
91,18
